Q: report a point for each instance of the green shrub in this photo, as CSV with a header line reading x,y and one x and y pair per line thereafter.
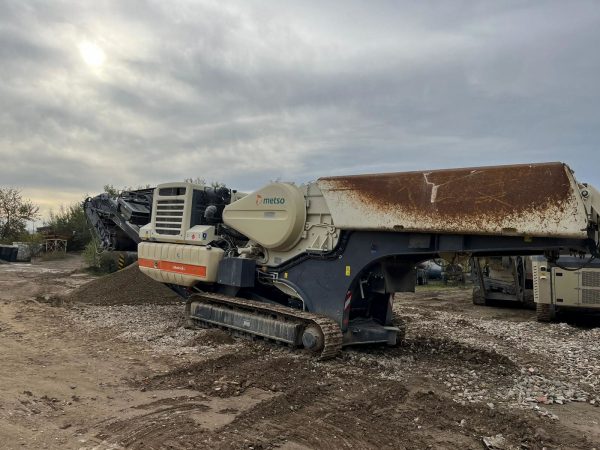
x,y
90,253
101,262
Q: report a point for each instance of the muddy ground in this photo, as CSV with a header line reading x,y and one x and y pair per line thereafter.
x,y
109,376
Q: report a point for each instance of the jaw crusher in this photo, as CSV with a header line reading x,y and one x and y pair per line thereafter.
x,y
316,266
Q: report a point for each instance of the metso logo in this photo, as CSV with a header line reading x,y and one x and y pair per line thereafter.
x,y
260,200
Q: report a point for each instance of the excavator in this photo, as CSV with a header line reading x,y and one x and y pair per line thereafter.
x,y
316,266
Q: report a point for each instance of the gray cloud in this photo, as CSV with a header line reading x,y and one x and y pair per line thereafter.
x,y
245,92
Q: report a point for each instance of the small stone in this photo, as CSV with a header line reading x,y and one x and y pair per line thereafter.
x,y
542,434
497,442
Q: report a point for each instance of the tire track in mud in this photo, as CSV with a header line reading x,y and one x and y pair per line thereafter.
x,y
344,403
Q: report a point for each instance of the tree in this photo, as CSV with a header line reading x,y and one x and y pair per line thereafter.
x,y
15,211
202,182
196,180
114,192
111,190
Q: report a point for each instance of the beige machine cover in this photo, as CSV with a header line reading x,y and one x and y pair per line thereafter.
x,y
179,264
274,216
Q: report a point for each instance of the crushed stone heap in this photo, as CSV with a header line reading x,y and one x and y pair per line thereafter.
x,y
125,287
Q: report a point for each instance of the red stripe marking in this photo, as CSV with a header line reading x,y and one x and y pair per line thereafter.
x,y
347,302
168,266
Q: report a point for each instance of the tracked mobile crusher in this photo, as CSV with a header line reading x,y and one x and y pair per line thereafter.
x,y
317,265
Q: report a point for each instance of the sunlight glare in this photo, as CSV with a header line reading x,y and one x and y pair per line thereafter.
x,y
92,54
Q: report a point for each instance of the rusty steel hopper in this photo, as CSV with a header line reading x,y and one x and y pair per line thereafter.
x,y
523,200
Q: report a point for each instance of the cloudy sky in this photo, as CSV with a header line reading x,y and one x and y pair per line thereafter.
x,y
141,92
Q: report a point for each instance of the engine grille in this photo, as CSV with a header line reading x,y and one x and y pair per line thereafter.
x,y
590,297
590,278
169,214
536,282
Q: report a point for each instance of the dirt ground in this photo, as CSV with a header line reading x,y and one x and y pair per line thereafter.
x,y
110,376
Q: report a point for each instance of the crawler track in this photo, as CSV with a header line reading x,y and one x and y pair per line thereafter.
x,y
332,335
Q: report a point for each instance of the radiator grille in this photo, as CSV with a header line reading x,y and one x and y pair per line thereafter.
x,y
590,297
536,283
169,214
590,278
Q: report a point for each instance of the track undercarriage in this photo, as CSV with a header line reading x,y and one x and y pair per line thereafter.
x,y
299,329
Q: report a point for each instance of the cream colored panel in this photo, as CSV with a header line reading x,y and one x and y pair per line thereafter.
x,y
566,287
273,216
184,265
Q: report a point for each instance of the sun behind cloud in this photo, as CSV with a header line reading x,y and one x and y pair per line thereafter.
x,y
92,54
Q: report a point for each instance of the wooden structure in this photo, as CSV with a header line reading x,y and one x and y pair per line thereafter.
x,y
53,243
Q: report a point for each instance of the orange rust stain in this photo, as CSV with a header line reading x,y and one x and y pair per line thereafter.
x,y
478,193
168,266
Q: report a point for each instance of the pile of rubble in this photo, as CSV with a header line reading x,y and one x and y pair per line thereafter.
x,y
125,287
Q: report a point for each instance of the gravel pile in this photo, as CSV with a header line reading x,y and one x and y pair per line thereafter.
x,y
125,287
553,363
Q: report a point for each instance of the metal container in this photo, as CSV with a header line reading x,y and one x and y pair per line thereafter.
x,y
518,200
8,253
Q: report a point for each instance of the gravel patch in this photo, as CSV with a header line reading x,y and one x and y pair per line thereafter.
x,y
538,364
159,327
488,361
